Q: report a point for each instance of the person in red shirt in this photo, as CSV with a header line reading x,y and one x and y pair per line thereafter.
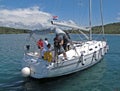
x,y
40,44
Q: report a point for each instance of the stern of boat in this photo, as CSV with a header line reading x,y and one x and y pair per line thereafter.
x,y
34,66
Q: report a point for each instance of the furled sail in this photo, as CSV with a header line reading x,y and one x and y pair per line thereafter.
x,y
69,25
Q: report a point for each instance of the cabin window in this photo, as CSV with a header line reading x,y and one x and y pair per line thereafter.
x,y
95,46
82,52
90,49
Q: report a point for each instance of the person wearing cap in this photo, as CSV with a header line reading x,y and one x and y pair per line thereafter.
x,y
58,46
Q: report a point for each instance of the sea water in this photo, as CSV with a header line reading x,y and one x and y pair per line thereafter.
x,y
104,76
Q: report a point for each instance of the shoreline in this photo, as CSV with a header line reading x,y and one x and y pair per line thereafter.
x,y
70,33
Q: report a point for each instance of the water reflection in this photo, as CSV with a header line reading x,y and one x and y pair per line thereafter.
x,y
76,81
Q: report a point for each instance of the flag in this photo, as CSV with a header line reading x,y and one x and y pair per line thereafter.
x,y
55,17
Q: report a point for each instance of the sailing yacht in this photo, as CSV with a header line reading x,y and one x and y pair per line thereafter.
x,y
80,55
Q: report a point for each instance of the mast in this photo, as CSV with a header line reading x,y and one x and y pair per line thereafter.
x,y
102,18
90,19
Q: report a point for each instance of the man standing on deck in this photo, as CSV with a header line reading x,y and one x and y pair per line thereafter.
x,y
58,46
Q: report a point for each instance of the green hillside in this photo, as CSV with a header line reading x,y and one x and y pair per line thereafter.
x,y
7,30
113,28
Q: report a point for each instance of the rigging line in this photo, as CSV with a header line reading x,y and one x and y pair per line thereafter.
x,y
78,11
74,14
99,31
79,36
84,34
90,19
101,12
98,35
33,38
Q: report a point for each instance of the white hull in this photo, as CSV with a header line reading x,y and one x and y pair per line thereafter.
x,y
80,57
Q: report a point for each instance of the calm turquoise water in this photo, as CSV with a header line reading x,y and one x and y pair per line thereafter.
x,y
104,76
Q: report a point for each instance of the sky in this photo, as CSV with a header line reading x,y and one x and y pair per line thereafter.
x,y
36,14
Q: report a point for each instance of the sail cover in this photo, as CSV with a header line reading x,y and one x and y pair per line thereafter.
x,y
59,31
69,25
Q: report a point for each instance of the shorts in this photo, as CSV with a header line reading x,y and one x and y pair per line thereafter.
x,y
61,49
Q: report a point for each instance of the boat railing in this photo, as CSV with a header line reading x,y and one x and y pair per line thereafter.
x,y
30,51
33,54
